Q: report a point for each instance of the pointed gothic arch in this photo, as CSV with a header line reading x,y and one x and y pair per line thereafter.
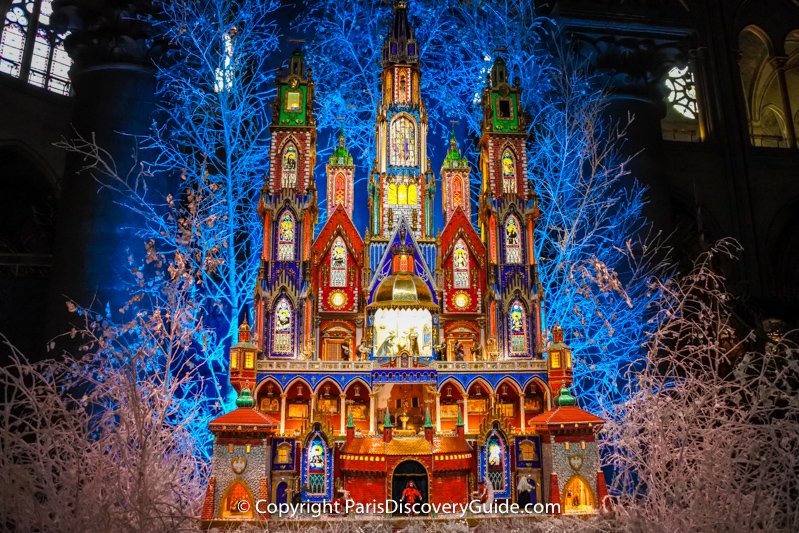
x,y
340,190
317,467
286,236
338,263
402,143
508,170
461,266
290,162
494,461
231,503
284,326
512,236
457,193
517,328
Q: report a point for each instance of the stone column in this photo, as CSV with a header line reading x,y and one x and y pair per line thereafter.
x,y
779,67
438,412
113,82
372,413
283,413
342,412
521,413
313,408
466,415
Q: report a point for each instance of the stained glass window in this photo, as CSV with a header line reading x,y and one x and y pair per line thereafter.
x,y
317,466
340,193
460,266
289,175
682,92
517,328
457,192
286,236
284,324
508,172
402,194
513,248
495,462
338,264
403,142
31,49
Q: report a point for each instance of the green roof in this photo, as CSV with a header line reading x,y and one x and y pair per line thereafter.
x,y
245,398
454,159
341,156
564,399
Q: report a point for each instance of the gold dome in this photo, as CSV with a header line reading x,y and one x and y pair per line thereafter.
x,y
403,291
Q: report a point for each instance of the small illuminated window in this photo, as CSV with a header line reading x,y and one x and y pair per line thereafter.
x,y
247,449
554,358
31,50
283,453
293,101
249,360
234,361
582,444
567,445
682,92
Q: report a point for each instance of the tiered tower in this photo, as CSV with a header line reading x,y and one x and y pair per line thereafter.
x,y
401,184
508,215
288,207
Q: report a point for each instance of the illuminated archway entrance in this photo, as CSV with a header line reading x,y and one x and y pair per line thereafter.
x,y
577,495
407,474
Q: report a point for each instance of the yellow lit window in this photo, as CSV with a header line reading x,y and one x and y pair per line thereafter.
x,y
234,361
283,453
293,101
555,359
249,360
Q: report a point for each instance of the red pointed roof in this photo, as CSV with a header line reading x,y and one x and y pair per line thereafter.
x,y
339,218
244,418
570,417
459,221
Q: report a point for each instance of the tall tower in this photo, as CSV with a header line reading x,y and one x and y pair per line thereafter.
x,y
288,208
401,184
455,181
508,214
340,180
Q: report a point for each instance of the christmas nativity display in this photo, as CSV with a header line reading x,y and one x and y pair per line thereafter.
x,y
406,271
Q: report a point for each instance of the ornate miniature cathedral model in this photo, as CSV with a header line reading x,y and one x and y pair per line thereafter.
x,y
399,355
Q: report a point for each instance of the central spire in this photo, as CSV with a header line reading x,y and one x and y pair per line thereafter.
x,y
400,46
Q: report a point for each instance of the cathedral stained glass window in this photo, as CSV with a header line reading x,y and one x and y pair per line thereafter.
x,y
517,328
513,247
316,466
508,172
460,266
338,264
286,236
289,175
496,457
682,92
284,326
30,49
403,142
